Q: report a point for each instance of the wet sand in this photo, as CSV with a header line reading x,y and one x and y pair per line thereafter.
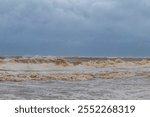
x,y
74,78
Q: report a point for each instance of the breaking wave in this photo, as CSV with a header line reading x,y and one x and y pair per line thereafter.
x,y
71,68
65,61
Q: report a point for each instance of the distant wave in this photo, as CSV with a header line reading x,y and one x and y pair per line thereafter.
x,y
64,61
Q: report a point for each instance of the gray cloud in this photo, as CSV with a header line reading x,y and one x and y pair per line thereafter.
x,y
75,27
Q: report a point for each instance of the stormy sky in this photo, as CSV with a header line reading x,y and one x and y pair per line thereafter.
x,y
75,27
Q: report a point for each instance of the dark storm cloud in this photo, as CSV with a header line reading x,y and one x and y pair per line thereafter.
x,y
75,27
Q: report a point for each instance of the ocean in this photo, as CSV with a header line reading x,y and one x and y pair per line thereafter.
x,y
79,78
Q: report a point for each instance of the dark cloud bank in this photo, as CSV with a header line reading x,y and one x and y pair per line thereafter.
x,y
75,27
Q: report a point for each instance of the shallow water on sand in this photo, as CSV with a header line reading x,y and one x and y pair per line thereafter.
x,y
116,88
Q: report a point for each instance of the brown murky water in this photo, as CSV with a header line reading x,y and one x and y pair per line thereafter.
x,y
124,88
74,78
